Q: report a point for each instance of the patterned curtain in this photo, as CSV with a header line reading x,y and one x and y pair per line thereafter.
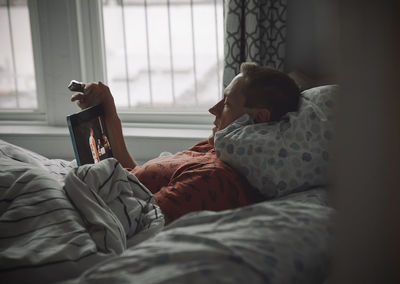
x,y
255,30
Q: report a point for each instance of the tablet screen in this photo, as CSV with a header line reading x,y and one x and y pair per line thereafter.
x,y
89,135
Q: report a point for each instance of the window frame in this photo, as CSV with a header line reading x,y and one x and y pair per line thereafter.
x,y
86,61
38,114
55,58
150,119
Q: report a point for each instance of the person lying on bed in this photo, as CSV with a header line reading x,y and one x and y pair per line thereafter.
x,y
196,179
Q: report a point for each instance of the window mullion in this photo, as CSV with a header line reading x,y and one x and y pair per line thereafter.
x,y
37,57
148,52
217,47
61,60
194,52
91,40
127,75
171,58
13,53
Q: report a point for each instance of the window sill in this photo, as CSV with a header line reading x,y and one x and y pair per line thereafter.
x,y
144,141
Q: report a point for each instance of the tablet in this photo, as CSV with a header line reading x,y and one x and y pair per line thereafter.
x,y
89,135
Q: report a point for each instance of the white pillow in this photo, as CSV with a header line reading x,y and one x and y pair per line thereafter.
x,y
287,156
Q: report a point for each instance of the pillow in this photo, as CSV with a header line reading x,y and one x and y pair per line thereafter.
x,y
286,156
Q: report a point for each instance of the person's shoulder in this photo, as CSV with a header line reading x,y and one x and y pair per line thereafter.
x,y
214,164
202,147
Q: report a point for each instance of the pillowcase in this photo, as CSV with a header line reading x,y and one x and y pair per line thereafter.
x,y
286,156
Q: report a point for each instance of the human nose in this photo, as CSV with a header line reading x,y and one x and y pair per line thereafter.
x,y
215,110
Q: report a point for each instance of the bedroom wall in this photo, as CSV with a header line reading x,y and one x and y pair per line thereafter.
x,y
312,37
367,180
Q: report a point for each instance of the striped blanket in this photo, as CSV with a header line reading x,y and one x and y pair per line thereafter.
x,y
57,220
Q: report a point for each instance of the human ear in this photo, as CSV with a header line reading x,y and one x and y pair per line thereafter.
x,y
261,115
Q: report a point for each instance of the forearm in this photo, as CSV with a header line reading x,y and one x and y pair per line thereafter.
x,y
98,93
118,146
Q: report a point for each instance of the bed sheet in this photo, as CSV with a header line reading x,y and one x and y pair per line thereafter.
x,y
57,220
287,240
281,241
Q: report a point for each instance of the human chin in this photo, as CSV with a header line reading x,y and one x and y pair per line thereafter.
x,y
211,138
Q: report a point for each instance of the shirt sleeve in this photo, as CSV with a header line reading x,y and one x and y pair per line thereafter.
x,y
201,189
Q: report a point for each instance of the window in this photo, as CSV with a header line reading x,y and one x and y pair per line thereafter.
x,y
164,55
17,72
162,59
64,40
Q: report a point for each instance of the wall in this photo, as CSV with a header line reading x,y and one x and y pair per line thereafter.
x,y
312,37
367,184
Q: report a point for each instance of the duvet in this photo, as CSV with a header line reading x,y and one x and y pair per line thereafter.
x,y
283,241
57,219
97,223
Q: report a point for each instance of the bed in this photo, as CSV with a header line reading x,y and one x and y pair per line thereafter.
x,y
98,223
280,241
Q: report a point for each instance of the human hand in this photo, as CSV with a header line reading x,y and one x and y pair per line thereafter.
x,y
94,94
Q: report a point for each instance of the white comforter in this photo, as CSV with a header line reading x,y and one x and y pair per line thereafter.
x,y
281,241
57,220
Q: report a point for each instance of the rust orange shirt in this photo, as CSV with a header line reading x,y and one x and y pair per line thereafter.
x,y
195,180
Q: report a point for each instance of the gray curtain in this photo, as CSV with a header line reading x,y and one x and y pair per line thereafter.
x,y
254,30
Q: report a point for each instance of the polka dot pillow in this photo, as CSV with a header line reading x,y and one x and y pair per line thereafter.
x,y
287,156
